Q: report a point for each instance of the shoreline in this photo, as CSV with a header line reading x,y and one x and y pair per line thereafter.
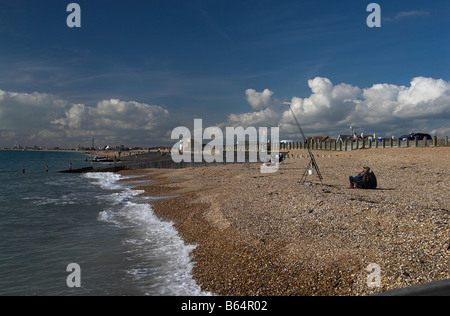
x,y
270,235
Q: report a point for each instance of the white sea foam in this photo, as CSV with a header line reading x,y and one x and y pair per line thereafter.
x,y
160,260
107,180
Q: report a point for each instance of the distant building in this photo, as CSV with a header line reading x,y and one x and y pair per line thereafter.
x,y
318,139
344,138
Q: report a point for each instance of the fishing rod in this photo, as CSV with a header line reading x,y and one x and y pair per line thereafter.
x,y
312,163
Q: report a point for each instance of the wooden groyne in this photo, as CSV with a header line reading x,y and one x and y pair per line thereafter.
x,y
335,145
159,161
164,160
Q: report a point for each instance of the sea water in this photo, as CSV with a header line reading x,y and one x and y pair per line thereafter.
x,y
49,220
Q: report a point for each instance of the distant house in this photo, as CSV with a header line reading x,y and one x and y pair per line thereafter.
x,y
318,139
344,138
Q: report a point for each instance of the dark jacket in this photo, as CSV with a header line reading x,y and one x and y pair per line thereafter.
x,y
360,177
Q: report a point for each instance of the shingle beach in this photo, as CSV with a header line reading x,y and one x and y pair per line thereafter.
x,y
269,234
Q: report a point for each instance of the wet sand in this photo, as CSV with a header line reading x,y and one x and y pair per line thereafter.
x,y
268,234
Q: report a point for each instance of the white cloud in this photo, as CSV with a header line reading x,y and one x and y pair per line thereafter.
x,y
23,110
387,109
405,14
115,114
326,103
74,116
425,97
264,117
382,108
45,119
442,131
115,121
259,100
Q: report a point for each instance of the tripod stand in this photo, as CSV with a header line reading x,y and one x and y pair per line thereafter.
x,y
312,163
312,166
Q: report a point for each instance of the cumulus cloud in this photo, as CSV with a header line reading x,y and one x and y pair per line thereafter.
x,y
259,100
260,118
442,131
74,116
45,119
382,108
114,114
326,103
19,110
115,121
268,110
426,97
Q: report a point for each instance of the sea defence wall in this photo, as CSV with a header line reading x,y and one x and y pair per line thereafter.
x,y
165,161
244,153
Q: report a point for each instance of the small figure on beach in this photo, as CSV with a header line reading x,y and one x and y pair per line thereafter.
x,y
364,180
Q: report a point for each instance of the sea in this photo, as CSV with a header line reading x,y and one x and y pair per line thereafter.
x,y
83,234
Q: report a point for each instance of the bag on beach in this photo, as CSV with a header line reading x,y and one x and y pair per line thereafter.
x,y
369,181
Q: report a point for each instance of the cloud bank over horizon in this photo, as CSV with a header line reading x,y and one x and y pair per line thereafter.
x,y
46,120
331,109
385,109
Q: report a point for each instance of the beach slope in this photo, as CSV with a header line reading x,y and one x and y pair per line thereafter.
x,y
269,234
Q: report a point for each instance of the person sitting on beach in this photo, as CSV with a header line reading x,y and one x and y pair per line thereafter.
x,y
356,181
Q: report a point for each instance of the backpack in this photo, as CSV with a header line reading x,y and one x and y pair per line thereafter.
x,y
369,181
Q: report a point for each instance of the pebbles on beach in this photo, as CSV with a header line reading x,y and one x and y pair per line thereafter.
x,y
268,234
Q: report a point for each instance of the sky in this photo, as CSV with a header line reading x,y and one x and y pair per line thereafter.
x,y
134,70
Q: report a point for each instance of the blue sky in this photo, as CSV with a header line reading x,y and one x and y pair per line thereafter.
x,y
164,63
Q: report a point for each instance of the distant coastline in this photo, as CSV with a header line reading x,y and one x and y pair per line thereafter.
x,y
107,153
45,150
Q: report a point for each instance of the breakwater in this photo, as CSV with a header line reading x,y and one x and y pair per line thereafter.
x,y
165,161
